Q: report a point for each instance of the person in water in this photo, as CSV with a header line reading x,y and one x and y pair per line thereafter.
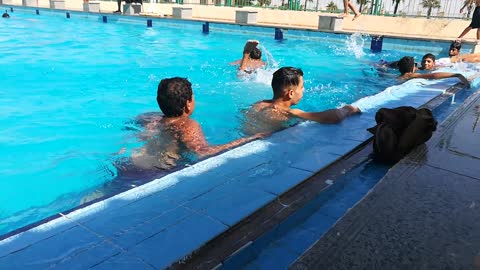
x,y
176,134
428,62
251,58
274,114
407,69
5,15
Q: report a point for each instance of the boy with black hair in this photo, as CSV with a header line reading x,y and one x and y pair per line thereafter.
x,y
428,62
407,69
176,133
252,57
273,114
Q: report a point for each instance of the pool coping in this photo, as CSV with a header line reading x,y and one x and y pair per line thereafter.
x,y
233,241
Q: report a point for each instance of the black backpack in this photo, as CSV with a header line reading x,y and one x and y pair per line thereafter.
x,y
400,130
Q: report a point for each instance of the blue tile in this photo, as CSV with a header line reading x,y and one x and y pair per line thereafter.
x,y
273,177
112,223
230,203
318,223
240,259
275,257
314,159
340,204
340,147
297,240
34,235
88,257
145,230
178,241
123,261
73,245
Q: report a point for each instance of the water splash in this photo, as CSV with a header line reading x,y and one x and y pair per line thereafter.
x,y
264,75
355,43
271,63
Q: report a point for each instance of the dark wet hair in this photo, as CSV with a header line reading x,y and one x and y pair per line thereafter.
x,y
5,15
173,94
428,55
285,78
456,45
256,54
406,64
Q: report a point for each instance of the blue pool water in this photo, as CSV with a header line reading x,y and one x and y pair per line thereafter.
x,y
71,87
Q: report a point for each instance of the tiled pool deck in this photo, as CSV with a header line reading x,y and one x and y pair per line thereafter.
x,y
159,223
423,214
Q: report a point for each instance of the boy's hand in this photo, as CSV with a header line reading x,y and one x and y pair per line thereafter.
x,y
464,80
249,46
351,109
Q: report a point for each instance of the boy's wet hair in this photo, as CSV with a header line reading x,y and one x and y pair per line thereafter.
x,y
429,55
284,78
173,94
406,64
456,45
256,54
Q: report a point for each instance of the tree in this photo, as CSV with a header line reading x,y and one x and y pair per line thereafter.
x,y
264,2
430,4
332,7
396,2
305,7
361,3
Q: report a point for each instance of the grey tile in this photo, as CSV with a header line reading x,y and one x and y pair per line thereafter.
x,y
422,217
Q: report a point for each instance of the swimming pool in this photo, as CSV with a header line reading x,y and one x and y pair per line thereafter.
x,y
73,86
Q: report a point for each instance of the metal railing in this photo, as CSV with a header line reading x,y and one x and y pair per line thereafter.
x,y
405,8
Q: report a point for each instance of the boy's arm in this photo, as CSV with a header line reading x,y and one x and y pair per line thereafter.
x,y
440,75
249,46
332,116
194,139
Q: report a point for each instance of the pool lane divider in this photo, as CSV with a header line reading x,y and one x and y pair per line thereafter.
x,y
278,34
206,28
376,44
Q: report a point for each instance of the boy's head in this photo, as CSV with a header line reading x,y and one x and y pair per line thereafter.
x,y
406,65
5,15
256,54
287,83
175,97
454,48
428,61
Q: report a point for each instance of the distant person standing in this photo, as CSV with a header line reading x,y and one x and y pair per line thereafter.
x,y
348,5
475,24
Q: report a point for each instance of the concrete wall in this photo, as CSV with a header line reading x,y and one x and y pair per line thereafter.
x,y
394,26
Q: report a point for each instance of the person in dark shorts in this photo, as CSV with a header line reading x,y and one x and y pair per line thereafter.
x,y
475,24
